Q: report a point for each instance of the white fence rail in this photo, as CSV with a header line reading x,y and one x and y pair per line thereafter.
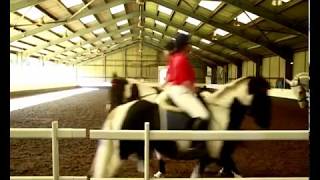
x,y
56,133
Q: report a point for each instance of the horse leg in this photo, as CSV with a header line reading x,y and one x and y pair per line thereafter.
x,y
162,168
107,160
229,168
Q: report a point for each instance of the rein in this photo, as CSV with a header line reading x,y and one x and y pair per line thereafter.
x,y
148,95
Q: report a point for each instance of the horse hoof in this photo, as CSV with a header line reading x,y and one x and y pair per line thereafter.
x,y
158,175
223,173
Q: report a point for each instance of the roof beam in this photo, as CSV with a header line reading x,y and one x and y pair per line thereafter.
x,y
269,15
67,20
218,60
285,53
252,56
88,42
124,46
224,57
19,4
120,40
79,33
160,48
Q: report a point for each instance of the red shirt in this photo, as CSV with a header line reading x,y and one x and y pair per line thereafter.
x,y
179,69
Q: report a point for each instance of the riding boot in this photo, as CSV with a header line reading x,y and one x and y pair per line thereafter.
x,y
199,124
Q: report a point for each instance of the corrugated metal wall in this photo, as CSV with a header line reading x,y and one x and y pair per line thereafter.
x,y
131,64
273,68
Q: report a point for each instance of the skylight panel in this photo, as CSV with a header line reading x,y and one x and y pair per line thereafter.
x,y
183,32
32,13
106,39
122,22
20,45
117,9
195,47
87,46
88,19
156,32
193,21
221,32
75,39
210,5
125,32
205,41
59,29
160,23
164,10
71,3
243,18
98,31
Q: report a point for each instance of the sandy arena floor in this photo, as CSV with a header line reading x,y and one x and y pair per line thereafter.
x,y
32,157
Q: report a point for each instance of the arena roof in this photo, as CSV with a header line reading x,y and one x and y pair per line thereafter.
x,y
226,31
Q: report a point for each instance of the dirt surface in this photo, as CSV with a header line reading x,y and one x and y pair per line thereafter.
x,y
32,157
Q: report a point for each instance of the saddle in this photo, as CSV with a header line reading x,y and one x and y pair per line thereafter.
x,y
175,118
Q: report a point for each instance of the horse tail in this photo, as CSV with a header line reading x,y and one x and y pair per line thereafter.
x,y
99,167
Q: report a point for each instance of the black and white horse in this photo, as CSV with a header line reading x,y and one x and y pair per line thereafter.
x,y
228,106
300,88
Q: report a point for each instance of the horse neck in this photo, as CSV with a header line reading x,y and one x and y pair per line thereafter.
x,y
225,96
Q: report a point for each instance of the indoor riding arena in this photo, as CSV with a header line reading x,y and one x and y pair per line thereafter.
x,y
64,55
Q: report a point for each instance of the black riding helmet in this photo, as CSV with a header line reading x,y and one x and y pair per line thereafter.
x,y
181,41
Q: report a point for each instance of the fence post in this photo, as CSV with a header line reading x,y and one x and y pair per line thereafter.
x,y
55,151
146,150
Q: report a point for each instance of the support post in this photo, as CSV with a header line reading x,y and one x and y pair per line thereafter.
x,y
239,70
289,69
214,75
146,150
55,151
258,67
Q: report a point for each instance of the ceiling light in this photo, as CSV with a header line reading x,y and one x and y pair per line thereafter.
x,y
243,18
193,21
125,32
160,23
195,47
31,12
70,3
88,19
117,9
156,32
75,39
182,32
205,41
210,5
221,32
126,39
122,22
155,39
98,31
164,10
285,1
106,39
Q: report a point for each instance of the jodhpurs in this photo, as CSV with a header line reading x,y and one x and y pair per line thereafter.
x,y
185,99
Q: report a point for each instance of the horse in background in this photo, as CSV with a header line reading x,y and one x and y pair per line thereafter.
x,y
228,106
300,88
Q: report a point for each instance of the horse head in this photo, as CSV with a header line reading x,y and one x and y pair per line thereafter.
x,y
300,87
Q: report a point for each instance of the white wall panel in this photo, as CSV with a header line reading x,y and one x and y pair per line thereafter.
x,y
300,62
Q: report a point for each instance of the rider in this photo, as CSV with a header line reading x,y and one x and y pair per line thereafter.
x,y
181,84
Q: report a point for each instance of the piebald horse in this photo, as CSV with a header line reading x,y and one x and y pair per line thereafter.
x,y
300,88
227,105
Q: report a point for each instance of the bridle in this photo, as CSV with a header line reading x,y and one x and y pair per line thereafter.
x,y
305,98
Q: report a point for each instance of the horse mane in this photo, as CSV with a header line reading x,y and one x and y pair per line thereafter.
x,y
230,86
